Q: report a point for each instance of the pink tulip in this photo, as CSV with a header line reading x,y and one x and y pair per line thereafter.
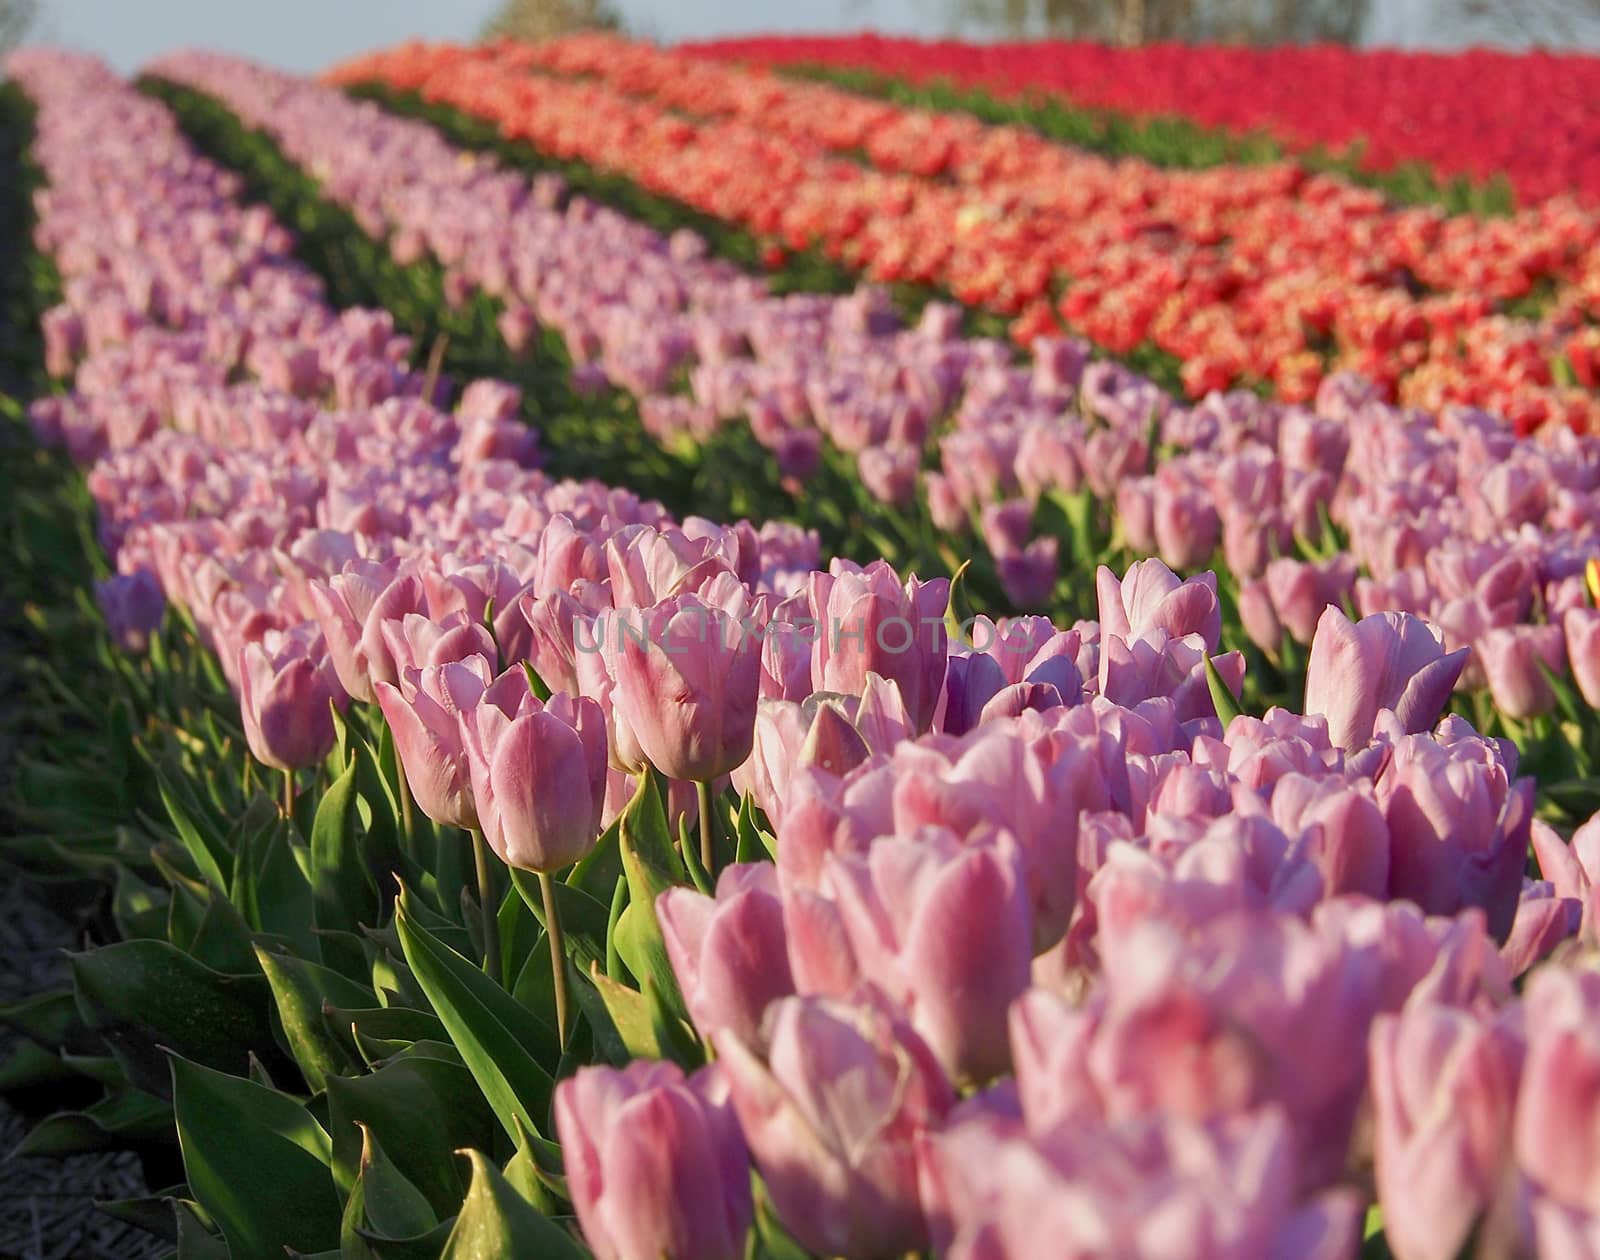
x,y
1187,527
414,642
943,929
538,778
1300,591
1557,1135
1582,630
427,735
343,606
1444,1092
1152,1188
1344,829
728,953
1544,920
1458,828
832,1113
867,622
687,678
283,703
1511,657
1151,596
1386,661
655,1163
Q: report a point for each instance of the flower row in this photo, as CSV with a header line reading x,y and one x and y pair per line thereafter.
x,y
1468,113
1258,273
965,836
1448,518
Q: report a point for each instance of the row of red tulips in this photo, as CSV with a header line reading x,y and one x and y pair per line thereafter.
x,y
1047,951
1256,273
1471,112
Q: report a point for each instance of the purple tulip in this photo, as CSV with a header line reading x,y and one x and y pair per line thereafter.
x,y
832,1113
655,1163
1386,661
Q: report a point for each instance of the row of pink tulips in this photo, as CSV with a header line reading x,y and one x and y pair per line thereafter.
x,y
1149,950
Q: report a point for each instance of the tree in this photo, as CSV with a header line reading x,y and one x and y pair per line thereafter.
x,y
1547,22
16,16
531,20
1133,22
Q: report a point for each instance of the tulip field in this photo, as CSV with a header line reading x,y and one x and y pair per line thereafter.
x,y
808,648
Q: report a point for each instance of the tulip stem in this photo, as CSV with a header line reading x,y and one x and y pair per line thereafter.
x,y
406,820
558,953
288,794
703,794
487,904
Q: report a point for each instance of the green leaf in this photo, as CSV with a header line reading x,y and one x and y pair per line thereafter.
x,y
394,1207
209,855
652,867
341,890
535,683
630,1015
490,1029
674,1037
1222,699
120,1119
195,1241
496,1221
301,989
753,843
143,996
420,1109
256,1161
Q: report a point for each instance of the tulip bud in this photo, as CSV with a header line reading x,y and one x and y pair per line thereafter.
x,y
1444,1091
944,929
687,680
831,1116
1385,661
538,779
1511,656
283,702
655,1163
729,953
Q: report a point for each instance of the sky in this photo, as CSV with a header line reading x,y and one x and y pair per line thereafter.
x,y
308,35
